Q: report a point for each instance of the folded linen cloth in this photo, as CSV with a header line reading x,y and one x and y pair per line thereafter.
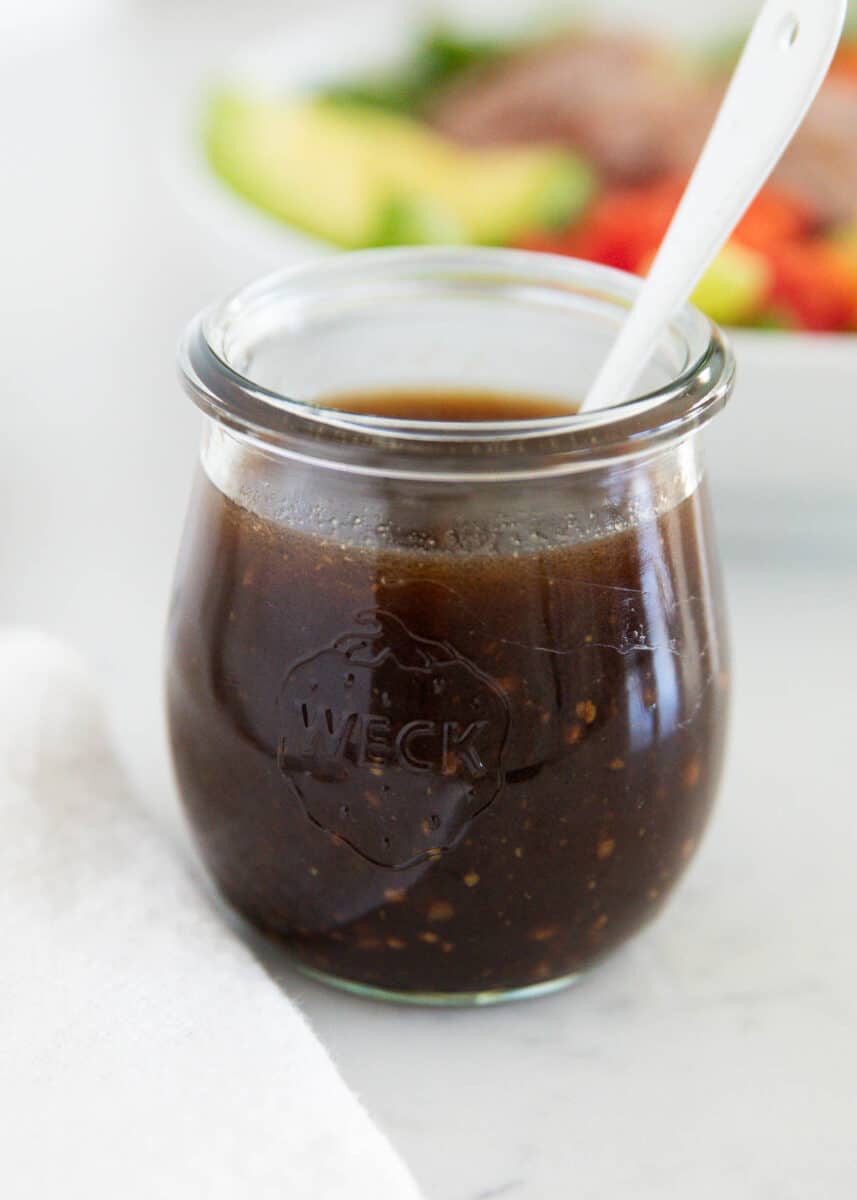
x,y
143,1051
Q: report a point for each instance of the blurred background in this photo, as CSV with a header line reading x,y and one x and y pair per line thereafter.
x,y
125,208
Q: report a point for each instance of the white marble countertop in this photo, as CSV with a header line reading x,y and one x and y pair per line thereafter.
x,y
717,1056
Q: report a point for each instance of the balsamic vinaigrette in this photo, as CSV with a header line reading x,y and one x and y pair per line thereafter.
x,y
427,770
455,406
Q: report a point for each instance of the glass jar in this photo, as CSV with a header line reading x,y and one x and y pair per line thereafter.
x,y
447,701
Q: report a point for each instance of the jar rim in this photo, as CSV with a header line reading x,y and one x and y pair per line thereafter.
x,y
391,446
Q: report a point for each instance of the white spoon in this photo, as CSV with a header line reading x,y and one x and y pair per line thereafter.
x,y
784,64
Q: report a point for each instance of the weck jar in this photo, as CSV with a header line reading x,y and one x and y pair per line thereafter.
x,y
447,698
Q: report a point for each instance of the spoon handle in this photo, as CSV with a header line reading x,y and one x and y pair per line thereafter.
x,y
784,64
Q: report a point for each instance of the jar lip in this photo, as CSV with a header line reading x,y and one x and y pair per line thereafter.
x,y
392,446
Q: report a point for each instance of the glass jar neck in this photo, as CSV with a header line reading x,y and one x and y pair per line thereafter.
x,y
263,363
492,514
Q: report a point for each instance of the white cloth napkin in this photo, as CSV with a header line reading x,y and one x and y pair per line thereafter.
x,y
143,1051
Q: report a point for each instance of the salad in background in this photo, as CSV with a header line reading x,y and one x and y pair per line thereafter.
x,y
578,144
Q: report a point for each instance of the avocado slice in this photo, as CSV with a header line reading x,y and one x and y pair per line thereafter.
x,y
363,177
734,289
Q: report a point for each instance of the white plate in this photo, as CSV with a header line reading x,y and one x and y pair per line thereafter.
x,y
788,441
